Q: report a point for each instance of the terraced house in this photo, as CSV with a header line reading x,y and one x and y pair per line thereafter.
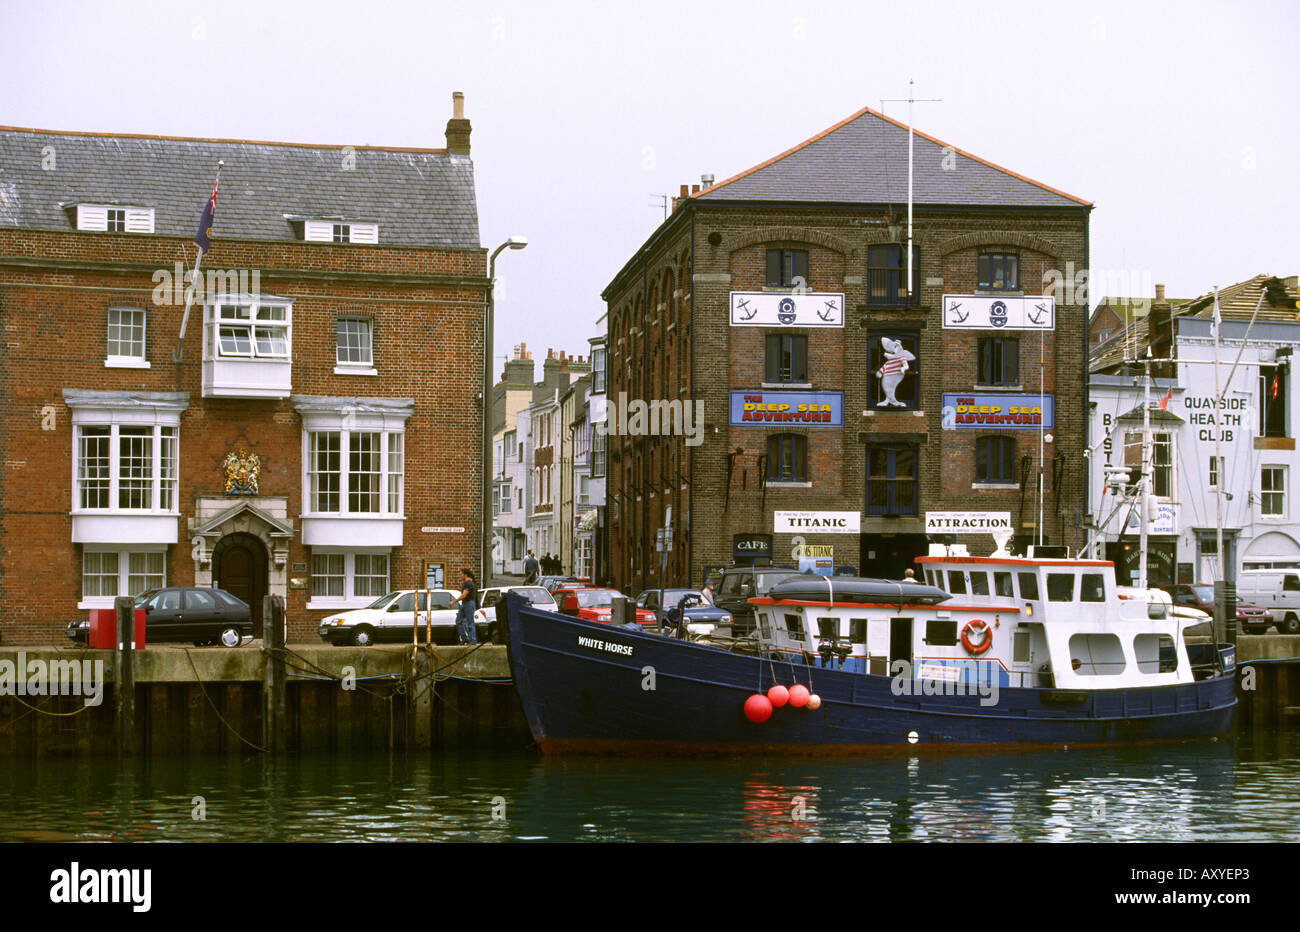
x,y
292,436
854,401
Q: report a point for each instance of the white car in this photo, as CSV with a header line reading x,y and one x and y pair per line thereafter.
x,y
485,619
392,617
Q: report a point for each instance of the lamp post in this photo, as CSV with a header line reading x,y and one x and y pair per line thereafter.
x,y
485,554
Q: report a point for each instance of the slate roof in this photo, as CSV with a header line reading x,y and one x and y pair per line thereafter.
x,y
863,160
1236,302
419,197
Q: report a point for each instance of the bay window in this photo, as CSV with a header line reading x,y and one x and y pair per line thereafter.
x,y
247,346
340,578
356,489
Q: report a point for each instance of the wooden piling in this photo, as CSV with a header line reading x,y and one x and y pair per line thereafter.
x,y
124,674
274,682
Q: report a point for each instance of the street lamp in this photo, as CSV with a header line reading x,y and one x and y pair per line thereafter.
x,y
485,555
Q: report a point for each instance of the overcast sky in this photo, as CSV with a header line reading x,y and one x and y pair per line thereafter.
x,y
1179,121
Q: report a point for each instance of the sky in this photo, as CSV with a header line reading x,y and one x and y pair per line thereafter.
x,y
1179,121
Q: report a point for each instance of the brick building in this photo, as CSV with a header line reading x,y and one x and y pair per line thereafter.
x,y
317,413
778,300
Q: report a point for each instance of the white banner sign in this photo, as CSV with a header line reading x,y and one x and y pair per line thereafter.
x,y
817,522
967,522
780,309
990,312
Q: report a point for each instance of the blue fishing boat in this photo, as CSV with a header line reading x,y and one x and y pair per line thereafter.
x,y
984,652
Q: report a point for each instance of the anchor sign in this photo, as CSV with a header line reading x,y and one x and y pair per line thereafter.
x,y
957,318
785,311
743,307
1038,317
830,313
998,314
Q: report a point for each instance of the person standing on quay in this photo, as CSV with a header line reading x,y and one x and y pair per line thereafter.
x,y
468,600
530,569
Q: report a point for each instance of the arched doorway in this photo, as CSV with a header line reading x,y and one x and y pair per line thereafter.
x,y
239,566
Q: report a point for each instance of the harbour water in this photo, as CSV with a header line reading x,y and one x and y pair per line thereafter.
x,y
1232,790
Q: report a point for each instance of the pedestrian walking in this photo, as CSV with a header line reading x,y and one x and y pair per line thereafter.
x,y
468,600
530,569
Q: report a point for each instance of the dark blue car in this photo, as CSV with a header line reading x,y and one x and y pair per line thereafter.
x,y
701,616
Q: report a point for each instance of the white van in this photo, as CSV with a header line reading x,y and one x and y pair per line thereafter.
x,y
1278,591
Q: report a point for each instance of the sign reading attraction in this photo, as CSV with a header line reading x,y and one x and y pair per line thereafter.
x,y
981,410
807,409
817,522
782,309
967,522
998,312
751,547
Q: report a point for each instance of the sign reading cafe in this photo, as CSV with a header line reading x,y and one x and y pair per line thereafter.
x,y
999,312
783,309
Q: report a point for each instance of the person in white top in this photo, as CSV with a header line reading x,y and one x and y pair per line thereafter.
x,y
707,592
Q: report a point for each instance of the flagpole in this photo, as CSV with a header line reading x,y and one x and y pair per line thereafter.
x,y
189,292
1218,434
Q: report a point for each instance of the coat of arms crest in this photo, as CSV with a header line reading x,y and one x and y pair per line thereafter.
x,y
241,469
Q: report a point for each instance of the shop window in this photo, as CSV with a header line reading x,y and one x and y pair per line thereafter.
x,y
894,369
998,271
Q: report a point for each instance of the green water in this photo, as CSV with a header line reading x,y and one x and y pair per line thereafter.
x,y
1207,791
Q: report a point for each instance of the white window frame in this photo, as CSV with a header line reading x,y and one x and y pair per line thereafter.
x,y
1133,439
355,367
133,361
349,598
1279,470
160,483
124,553
94,218
505,499
252,314
387,470
321,230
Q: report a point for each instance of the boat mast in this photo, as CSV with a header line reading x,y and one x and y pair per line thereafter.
x,y
1218,459
1144,484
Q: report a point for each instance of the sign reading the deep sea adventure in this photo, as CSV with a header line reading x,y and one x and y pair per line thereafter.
x,y
999,312
809,409
966,522
751,546
979,410
824,522
782,309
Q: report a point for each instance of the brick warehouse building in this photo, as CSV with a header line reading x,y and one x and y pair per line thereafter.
x,y
777,287
316,420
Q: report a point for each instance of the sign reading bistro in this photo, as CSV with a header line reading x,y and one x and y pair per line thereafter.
x,y
820,522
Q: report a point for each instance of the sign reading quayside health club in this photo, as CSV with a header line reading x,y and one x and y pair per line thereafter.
x,y
782,309
811,409
1003,312
980,410
822,522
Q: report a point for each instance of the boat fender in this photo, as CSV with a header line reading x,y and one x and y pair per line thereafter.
x,y
976,637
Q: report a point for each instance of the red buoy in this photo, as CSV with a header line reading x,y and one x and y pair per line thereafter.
x,y
758,708
778,695
799,695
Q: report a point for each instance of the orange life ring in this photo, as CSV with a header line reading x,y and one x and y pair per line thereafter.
x,y
980,628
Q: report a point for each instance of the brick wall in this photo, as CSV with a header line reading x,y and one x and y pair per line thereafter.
x,y
724,358
55,288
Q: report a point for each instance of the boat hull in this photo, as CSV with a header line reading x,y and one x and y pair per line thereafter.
x,y
593,688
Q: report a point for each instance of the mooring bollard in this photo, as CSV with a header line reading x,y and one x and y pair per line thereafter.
x,y
273,683
124,673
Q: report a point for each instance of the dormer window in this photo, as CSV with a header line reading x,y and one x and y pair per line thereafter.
x,y
107,218
339,231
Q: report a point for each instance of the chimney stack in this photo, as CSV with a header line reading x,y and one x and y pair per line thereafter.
x,y
1160,292
458,128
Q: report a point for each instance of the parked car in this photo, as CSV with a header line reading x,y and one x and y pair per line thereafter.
x,y
1276,591
551,583
485,619
701,617
1251,618
596,605
199,615
740,584
391,618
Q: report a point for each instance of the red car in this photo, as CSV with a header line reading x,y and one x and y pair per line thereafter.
x,y
596,605
1252,619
